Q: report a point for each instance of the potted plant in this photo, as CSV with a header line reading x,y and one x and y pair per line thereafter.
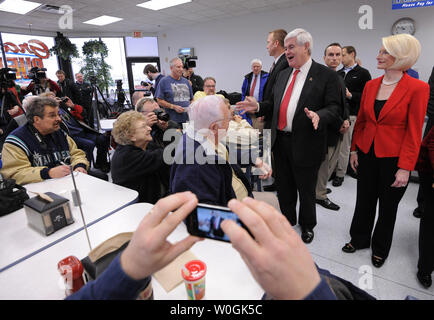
x,y
64,48
95,69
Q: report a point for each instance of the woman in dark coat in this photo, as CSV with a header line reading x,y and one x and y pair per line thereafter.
x,y
135,164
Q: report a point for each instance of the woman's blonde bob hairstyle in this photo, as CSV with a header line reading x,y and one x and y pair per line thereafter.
x,y
404,48
123,127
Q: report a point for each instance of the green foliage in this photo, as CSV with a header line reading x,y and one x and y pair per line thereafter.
x,y
64,48
94,52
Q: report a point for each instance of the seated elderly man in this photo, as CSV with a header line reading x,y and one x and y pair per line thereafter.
x,y
208,89
38,150
202,163
134,164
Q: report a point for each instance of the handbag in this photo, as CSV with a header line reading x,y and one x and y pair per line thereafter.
x,y
12,196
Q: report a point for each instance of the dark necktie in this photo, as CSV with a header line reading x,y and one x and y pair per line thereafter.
x,y
272,67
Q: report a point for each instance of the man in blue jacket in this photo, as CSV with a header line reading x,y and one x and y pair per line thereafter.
x,y
253,86
203,165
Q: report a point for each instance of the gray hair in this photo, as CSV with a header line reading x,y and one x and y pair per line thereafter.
x,y
172,62
205,111
141,103
255,61
37,106
302,37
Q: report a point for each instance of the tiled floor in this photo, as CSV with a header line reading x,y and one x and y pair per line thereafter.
x,y
397,277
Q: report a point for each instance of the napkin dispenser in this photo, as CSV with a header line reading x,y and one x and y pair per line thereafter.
x,y
48,217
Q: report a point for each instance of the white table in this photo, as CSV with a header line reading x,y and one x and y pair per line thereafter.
x,y
37,278
100,199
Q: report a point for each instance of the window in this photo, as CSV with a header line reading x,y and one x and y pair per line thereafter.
x,y
26,51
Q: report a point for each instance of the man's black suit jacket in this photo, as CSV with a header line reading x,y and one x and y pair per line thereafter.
x,y
321,93
430,109
281,64
355,81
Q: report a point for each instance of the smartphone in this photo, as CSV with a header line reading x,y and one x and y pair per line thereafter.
x,y
205,221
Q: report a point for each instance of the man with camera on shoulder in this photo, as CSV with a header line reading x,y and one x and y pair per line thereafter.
x,y
40,83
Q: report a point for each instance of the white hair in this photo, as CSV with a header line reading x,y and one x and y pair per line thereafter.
x,y
302,37
28,101
256,61
205,111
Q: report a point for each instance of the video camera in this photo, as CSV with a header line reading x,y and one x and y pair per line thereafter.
x,y
188,61
7,77
93,80
119,84
36,74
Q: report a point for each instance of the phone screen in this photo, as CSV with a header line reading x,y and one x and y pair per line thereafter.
x,y
205,221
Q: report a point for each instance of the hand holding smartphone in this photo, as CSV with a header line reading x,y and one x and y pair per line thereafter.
x,y
205,221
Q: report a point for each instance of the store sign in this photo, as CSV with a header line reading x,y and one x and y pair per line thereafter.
x,y
405,4
25,52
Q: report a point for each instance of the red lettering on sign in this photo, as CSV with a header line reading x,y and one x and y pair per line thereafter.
x,y
9,46
41,50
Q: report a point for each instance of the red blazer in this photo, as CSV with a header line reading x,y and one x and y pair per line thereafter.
x,y
398,131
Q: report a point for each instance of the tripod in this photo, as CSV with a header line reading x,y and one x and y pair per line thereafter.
x,y
121,99
98,108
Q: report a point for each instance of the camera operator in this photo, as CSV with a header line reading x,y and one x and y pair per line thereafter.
x,y
10,98
85,92
152,73
67,87
40,83
196,81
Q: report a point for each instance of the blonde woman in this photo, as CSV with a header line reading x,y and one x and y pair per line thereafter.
x,y
135,164
385,145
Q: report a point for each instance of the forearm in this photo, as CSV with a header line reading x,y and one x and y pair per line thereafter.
x,y
164,103
113,284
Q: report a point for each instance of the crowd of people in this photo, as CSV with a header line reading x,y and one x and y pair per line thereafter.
x,y
188,144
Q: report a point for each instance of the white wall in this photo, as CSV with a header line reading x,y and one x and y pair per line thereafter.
x,y
226,47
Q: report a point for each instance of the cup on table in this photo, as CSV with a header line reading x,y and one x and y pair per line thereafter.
x,y
193,274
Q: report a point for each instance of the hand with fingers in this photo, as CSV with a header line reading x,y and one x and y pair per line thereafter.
x,y
148,250
250,105
401,178
277,258
312,116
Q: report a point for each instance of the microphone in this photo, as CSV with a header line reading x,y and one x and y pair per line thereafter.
x,y
77,200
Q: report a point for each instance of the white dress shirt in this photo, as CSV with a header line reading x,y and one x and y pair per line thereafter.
x,y
296,92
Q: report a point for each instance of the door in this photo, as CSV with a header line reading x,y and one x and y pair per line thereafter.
x,y
135,68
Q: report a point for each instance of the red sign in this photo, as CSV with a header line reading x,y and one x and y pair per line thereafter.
x,y
35,48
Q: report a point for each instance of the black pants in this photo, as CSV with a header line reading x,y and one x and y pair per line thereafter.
x,y
375,177
290,179
426,229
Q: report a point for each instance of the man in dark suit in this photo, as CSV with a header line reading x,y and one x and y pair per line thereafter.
x,y
418,212
355,78
276,49
305,99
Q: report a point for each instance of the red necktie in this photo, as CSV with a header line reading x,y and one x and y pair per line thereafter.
x,y
285,103
252,90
